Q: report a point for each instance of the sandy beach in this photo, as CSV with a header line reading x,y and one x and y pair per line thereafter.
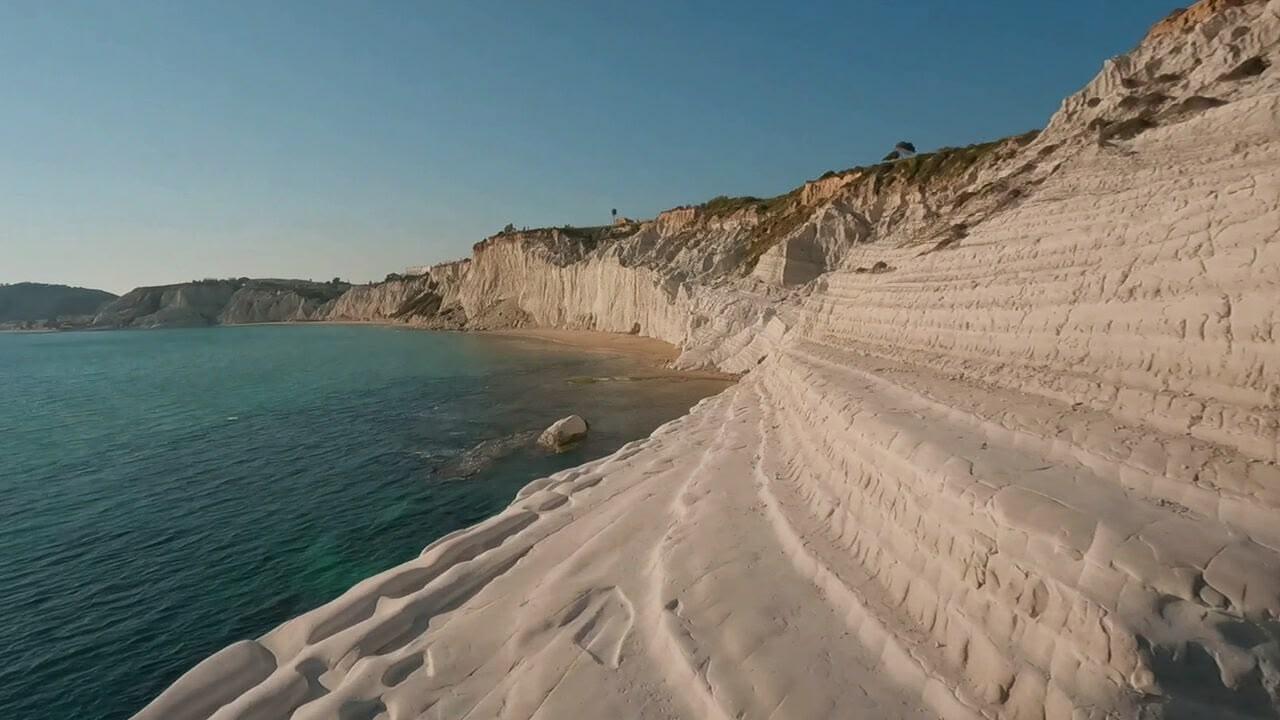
x,y
657,354
652,350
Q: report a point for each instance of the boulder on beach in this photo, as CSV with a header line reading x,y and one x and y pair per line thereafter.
x,y
563,433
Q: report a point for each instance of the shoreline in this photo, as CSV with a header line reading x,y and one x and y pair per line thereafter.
x,y
659,354
654,352
494,452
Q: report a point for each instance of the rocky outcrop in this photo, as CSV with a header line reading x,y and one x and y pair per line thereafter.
x,y
280,301
38,304
428,299
1183,20
563,433
670,277
657,279
386,300
1008,446
186,305
214,302
1194,61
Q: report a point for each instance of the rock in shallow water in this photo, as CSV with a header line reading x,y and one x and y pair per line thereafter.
x,y
563,433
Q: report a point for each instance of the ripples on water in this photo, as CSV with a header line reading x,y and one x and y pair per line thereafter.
x,y
165,493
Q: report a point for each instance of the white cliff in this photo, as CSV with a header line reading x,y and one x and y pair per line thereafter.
x,y
1007,447
220,302
424,298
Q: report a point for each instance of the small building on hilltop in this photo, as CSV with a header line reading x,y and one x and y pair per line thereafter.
x,y
901,151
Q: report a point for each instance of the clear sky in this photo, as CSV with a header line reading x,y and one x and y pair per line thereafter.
x,y
153,142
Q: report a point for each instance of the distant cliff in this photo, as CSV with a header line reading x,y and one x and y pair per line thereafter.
x,y
429,299
23,304
220,302
708,277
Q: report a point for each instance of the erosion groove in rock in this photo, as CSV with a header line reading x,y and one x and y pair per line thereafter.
x,y
1024,468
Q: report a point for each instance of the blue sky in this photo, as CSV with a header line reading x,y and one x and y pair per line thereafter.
x,y
154,142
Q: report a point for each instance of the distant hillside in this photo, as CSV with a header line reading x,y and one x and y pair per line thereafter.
x,y
35,302
220,302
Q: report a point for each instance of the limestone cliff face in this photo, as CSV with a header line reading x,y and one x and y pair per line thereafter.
x,y
1099,238
557,281
671,277
189,305
280,301
214,302
428,300
1009,446
701,276
379,301
1194,61
658,279
1116,316
1103,292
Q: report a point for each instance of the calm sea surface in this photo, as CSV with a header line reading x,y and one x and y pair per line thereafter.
x,y
165,493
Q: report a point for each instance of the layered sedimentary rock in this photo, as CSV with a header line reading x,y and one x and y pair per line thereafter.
x,y
428,299
1007,447
215,302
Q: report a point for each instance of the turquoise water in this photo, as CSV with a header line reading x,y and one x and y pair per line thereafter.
x,y
165,493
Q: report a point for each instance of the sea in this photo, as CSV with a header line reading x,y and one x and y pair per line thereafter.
x,y
165,493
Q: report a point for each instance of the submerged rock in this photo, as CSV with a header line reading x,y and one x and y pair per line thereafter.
x,y
563,433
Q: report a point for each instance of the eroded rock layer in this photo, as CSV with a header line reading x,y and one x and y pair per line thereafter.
x,y
1007,446
220,302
